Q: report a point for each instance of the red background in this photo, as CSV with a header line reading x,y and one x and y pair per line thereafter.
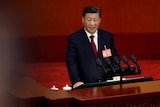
x,y
134,23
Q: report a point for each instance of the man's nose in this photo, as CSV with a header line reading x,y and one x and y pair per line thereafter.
x,y
92,22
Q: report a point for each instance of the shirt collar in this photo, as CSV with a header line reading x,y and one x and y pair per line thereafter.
x,y
89,34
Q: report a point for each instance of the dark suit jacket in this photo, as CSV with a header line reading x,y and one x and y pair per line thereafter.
x,y
80,58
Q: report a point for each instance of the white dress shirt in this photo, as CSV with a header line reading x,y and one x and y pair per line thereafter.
x,y
95,39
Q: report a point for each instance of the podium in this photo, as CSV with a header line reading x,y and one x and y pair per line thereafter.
x,y
136,94
114,82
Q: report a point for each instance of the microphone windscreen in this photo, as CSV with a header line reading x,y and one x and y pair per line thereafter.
x,y
116,59
124,59
133,58
108,61
99,62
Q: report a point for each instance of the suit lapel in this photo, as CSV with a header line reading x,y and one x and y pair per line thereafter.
x,y
100,43
87,43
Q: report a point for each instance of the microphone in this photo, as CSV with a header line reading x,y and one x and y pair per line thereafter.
x,y
125,60
99,62
134,60
116,60
109,63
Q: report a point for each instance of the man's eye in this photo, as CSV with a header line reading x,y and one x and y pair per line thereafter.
x,y
88,19
95,19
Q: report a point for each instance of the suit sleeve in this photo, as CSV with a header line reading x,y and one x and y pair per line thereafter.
x,y
71,60
114,50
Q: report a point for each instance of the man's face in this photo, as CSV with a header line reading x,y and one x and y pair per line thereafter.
x,y
91,22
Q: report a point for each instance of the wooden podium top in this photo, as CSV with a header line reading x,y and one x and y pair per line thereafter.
x,y
29,89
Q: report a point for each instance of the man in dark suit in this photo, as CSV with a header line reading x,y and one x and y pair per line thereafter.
x,y
80,56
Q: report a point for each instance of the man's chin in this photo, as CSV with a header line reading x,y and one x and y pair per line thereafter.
x,y
92,31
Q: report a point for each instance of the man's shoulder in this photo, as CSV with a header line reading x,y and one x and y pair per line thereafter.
x,y
77,33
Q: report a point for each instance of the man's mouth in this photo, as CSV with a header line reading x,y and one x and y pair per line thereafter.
x,y
91,28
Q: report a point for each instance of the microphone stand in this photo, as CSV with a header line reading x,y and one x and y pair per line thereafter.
x,y
116,60
121,73
134,60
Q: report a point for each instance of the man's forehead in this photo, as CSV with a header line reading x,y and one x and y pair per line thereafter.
x,y
92,15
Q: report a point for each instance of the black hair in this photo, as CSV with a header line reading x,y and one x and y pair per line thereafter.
x,y
91,9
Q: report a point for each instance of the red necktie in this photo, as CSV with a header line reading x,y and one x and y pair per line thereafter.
x,y
93,46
